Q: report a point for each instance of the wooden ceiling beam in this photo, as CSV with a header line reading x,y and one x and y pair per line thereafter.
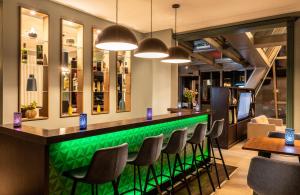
x,y
270,41
236,57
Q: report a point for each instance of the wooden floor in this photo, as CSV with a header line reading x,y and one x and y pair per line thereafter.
x,y
237,184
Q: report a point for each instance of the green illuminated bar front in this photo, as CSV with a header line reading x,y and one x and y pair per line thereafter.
x,y
69,148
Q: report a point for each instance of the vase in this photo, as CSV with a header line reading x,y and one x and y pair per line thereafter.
x,y
30,114
190,105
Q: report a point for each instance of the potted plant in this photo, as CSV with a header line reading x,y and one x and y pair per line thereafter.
x,y
29,111
189,94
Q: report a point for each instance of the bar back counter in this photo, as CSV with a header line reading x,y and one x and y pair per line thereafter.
x,y
33,159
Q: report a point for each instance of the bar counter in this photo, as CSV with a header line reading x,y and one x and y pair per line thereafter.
x,y
33,159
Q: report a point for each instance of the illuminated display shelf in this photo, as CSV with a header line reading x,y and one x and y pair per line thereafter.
x,y
72,154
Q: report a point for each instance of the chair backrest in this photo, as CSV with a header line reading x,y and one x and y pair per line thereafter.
x,y
216,129
107,164
199,134
280,134
273,177
176,142
149,151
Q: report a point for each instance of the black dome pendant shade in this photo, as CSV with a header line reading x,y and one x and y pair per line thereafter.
x,y
116,37
151,47
177,55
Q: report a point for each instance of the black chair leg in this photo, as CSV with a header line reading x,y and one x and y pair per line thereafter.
x,y
155,179
215,164
170,171
96,187
134,179
93,189
184,174
206,168
161,167
184,156
140,180
115,186
74,187
146,182
194,163
222,158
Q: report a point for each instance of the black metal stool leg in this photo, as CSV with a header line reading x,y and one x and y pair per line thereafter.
x,y
74,187
134,179
215,164
222,158
195,165
140,180
161,167
206,168
184,174
170,170
147,180
115,185
184,156
96,189
93,189
155,179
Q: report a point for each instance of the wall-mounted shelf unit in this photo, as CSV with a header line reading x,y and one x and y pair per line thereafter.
x,y
123,81
33,65
71,68
224,103
100,78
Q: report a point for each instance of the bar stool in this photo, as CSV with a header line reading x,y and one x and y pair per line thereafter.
x,y
147,156
213,135
196,140
174,146
106,166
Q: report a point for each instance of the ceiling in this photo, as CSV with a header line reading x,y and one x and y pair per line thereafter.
x,y
193,14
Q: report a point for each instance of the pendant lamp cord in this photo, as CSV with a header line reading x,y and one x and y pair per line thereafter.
x,y
175,32
151,19
117,7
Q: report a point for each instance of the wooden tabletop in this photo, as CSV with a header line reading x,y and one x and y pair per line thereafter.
x,y
272,145
48,136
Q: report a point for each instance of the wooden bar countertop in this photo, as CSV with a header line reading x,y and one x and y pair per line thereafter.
x,y
48,136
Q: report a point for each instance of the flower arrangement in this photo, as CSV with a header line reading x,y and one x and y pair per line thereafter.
x,y
189,94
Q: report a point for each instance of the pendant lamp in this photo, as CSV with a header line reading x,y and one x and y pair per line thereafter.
x,y
151,47
116,37
177,55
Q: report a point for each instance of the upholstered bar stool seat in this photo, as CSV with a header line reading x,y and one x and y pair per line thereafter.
x,y
213,135
146,157
174,146
196,141
106,166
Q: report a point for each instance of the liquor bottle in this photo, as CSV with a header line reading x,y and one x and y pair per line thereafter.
x,y
98,86
39,54
75,82
122,104
98,108
74,63
24,54
66,82
70,110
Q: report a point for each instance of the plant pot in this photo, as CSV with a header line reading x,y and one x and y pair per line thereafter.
x,y
190,105
30,114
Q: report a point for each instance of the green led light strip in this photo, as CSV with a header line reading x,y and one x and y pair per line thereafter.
x,y
77,153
